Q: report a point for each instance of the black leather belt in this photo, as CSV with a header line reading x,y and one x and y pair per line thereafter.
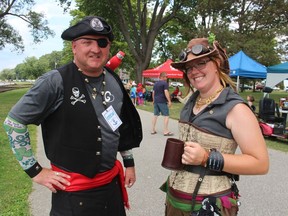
x,y
202,171
199,169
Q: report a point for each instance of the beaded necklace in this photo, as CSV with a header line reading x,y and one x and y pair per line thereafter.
x,y
201,102
96,92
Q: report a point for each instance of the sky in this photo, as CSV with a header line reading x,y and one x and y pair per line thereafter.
x,y
58,21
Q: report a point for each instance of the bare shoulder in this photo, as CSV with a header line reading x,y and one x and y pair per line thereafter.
x,y
240,113
240,107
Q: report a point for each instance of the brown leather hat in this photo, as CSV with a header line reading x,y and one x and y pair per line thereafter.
x,y
91,25
198,48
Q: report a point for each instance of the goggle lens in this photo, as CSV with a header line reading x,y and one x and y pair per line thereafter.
x,y
196,50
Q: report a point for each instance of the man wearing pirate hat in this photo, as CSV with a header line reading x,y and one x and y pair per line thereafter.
x,y
86,118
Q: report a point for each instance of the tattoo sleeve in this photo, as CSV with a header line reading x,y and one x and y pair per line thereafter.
x,y
19,140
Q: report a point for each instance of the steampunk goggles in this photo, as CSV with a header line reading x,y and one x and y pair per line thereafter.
x,y
196,50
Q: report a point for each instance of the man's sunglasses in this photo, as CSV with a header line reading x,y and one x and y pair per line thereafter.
x,y
102,42
196,50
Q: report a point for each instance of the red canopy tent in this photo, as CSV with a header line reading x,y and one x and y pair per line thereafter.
x,y
165,67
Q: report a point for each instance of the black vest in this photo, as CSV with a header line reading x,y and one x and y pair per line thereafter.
x,y
72,134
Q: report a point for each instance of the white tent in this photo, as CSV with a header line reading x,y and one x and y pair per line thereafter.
x,y
276,74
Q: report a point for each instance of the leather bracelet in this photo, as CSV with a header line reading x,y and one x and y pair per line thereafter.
x,y
215,161
34,170
129,162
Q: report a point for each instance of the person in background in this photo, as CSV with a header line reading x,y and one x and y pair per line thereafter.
x,y
213,123
140,94
74,105
186,98
144,93
188,93
162,103
250,100
176,93
133,94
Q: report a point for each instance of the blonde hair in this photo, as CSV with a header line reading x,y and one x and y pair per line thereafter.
x,y
224,76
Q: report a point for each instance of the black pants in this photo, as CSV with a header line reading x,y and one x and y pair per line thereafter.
x,y
103,201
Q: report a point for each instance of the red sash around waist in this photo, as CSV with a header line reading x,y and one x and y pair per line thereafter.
x,y
80,182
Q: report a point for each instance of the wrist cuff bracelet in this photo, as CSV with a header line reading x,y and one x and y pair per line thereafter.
x,y
34,170
128,162
215,161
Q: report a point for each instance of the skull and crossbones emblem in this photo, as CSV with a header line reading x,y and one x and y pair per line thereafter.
x,y
77,96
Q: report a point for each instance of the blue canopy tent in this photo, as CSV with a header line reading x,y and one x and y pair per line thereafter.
x,y
241,65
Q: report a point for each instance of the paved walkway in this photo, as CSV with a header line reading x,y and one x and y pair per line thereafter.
x,y
261,195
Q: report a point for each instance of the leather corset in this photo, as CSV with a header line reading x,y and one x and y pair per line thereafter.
x,y
186,181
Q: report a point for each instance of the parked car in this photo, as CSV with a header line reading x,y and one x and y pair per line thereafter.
x,y
259,86
149,83
175,84
285,82
247,87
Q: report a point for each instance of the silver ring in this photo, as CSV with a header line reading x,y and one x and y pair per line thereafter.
x,y
57,173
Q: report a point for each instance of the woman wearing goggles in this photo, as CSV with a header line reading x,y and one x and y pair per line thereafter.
x,y
213,123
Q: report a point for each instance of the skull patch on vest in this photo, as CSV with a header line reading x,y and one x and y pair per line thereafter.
x,y
76,96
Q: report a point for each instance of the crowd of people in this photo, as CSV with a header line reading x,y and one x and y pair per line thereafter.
x,y
87,117
138,93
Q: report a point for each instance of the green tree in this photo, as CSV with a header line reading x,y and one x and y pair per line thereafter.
x,y
156,29
21,9
20,72
135,22
33,68
165,27
53,60
260,27
7,74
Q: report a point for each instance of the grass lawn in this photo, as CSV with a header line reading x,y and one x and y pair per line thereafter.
x,y
16,186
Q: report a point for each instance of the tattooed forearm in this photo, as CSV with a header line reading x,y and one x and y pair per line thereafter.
x,y
19,140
